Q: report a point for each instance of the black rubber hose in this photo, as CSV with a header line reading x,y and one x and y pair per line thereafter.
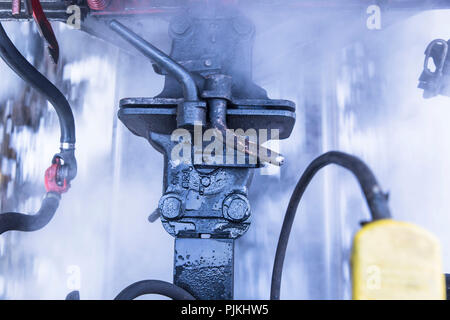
x,y
163,288
33,77
12,221
376,200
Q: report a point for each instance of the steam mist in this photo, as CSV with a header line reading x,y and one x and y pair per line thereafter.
x,y
355,91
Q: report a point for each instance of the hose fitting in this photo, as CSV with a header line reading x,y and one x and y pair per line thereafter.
x,y
64,165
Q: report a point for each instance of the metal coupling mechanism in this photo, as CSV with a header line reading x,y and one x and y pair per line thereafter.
x,y
60,173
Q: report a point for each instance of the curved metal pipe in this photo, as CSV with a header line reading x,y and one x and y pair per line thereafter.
x,y
12,221
165,62
217,117
32,76
376,200
141,288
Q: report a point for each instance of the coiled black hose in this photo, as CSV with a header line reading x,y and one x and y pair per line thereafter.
x,y
376,200
21,222
141,288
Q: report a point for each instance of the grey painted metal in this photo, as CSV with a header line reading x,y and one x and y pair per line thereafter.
x,y
191,111
144,115
194,197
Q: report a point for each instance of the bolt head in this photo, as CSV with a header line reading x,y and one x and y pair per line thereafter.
x,y
236,208
180,26
205,181
170,207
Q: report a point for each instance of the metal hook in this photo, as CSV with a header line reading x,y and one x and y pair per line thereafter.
x,y
440,68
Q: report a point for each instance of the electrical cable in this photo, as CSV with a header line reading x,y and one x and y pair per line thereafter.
x,y
376,200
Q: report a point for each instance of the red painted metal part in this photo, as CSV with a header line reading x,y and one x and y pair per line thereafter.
x,y
51,179
45,29
15,7
129,7
136,7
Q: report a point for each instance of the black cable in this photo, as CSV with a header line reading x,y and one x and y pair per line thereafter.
x,y
21,222
376,200
33,77
141,288
12,221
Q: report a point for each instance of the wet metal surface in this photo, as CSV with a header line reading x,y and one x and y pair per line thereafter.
x,y
204,267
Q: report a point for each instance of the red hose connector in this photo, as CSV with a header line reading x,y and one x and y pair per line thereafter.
x,y
98,4
52,181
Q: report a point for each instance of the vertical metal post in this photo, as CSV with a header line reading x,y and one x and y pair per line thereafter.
x,y
204,267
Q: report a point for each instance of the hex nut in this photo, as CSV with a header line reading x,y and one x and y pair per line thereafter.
x,y
170,206
236,207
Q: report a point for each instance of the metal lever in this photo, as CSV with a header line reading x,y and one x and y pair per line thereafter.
x,y
191,111
165,62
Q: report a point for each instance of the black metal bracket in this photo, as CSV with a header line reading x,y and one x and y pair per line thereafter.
x,y
436,82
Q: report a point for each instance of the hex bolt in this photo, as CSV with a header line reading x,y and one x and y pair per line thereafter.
x,y
180,26
236,208
170,206
205,181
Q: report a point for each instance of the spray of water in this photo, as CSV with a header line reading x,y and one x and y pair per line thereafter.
x,y
355,91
